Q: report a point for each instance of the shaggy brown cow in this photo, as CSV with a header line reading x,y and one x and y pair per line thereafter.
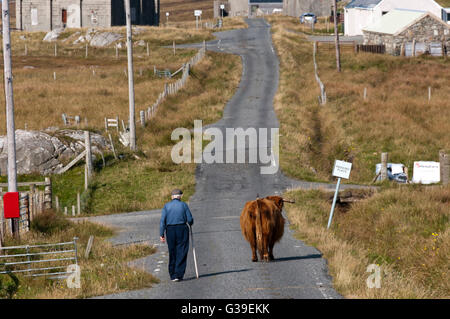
x,y
263,225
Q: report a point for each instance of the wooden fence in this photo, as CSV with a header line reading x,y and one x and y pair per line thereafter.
x,y
323,93
345,46
172,88
371,48
33,202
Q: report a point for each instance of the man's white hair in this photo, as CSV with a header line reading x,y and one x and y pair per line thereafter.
x,y
178,196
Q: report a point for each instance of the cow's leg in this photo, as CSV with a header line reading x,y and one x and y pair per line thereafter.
x,y
254,255
265,256
254,249
271,251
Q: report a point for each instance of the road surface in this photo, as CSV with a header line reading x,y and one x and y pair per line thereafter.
x,y
224,257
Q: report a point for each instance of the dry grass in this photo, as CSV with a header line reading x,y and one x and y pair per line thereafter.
x,y
104,272
128,184
183,10
405,231
396,118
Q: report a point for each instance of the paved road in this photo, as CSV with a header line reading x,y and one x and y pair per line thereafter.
x,y
225,266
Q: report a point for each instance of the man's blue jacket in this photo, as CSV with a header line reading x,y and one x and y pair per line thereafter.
x,y
175,212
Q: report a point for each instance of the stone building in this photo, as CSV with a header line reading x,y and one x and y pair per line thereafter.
x,y
320,8
238,8
46,15
400,28
264,7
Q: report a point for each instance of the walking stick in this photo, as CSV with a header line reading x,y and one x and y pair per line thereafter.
x,y
193,250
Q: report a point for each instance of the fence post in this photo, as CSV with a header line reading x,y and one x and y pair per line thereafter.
x,y
384,161
87,144
444,160
413,47
78,203
57,204
32,202
48,193
142,117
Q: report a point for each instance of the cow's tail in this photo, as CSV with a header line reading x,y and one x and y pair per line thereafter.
x,y
258,226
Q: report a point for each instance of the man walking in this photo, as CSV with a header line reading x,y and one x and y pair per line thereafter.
x,y
174,217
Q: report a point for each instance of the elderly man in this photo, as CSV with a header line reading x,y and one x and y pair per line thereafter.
x,y
174,217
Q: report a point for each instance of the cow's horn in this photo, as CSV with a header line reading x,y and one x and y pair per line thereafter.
x,y
289,201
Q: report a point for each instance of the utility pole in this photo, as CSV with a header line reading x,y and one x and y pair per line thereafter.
x,y
130,77
336,32
9,100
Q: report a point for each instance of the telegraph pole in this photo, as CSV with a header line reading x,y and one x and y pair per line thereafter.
x,y
130,77
9,100
336,32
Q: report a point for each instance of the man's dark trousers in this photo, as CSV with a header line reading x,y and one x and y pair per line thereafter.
x,y
178,242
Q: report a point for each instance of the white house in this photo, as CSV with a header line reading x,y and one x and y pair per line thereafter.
x,y
361,13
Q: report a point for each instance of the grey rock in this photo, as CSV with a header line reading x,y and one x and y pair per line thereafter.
x,y
53,35
45,152
104,39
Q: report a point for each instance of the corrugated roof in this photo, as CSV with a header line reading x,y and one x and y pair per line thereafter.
x,y
363,4
395,21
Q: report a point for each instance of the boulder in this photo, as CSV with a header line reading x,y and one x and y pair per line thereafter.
x,y
104,39
47,152
53,35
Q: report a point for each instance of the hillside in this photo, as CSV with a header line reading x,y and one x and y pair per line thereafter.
x,y
183,10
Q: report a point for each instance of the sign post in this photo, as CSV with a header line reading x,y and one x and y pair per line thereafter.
x,y
197,13
167,18
341,170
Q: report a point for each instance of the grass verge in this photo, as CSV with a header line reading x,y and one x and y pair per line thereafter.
x,y
396,117
105,271
405,231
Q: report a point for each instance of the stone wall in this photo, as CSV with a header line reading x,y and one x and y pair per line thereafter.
x,y
427,30
295,8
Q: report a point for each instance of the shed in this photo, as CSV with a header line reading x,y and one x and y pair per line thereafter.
x,y
399,28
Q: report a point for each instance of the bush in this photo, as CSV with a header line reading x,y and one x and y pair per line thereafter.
x,y
49,222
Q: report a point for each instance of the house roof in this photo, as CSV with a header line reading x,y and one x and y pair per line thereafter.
x,y
366,4
396,21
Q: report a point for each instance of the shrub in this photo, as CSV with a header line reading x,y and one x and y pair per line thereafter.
x,y
49,223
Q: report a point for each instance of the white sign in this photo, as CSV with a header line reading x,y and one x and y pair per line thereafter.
x,y
222,6
426,172
342,169
198,13
167,14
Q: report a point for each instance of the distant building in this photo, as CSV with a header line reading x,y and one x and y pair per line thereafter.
x,y
46,15
238,8
218,11
296,8
361,13
264,7
400,28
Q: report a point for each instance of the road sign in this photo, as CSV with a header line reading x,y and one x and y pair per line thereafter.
x,y
222,6
198,13
167,14
342,169
426,172
11,205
